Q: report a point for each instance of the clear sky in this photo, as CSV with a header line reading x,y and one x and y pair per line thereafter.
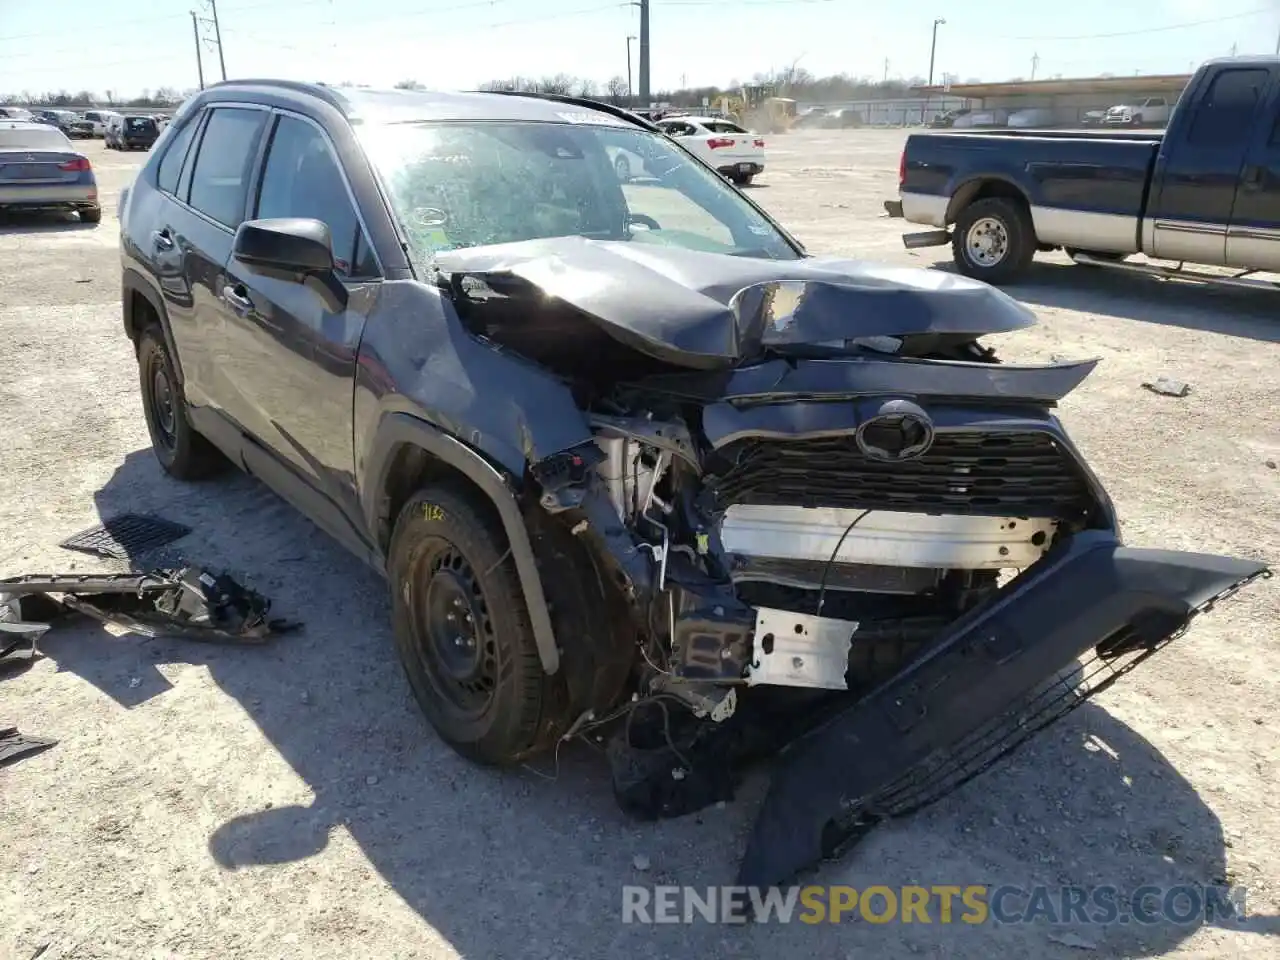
x,y
126,46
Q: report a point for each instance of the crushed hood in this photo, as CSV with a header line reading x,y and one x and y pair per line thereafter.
x,y
709,310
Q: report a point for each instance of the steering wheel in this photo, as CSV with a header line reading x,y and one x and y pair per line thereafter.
x,y
641,218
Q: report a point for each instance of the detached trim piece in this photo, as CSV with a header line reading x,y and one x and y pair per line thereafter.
x,y
398,429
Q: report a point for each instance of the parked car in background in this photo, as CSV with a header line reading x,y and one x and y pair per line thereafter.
x,y
1151,112
99,119
626,164
15,113
41,169
721,144
68,121
1031,117
1205,191
131,131
949,118
1092,118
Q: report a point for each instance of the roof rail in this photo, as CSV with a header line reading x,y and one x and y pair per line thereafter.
x,y
323,91
614,111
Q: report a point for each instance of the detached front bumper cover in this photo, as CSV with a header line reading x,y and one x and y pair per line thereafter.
x,y
980,692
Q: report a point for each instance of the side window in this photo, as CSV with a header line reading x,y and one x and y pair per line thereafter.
x,y
220,176
174,155
301,178
1225,116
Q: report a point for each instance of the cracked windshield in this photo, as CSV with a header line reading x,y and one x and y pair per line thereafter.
x,y
457,185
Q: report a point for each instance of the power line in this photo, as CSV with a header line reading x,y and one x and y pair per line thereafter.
x,y
1146,30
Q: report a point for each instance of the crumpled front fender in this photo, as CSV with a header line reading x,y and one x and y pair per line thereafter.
x,y
1090,593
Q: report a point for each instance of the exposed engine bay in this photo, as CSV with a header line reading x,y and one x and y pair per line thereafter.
x,y
832,522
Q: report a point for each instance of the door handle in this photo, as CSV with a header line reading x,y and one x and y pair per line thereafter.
x,y
162,239
237,298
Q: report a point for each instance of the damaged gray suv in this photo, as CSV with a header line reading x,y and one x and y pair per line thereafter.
x,y
634,464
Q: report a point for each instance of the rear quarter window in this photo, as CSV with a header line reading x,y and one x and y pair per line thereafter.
x,y
174,155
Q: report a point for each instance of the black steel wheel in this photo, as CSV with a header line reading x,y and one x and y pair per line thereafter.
x,y
453,630
462,629
182,452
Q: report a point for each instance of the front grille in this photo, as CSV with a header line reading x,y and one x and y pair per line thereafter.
x,y
1004,474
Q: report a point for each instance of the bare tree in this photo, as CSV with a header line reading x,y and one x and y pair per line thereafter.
x,y
560,84
616,89
586,87
409,85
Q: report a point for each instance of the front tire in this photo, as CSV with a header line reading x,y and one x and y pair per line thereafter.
x,y
994,240
462,629
743,179
183,453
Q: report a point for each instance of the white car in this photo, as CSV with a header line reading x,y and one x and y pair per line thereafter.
x,y
626,164
99,119
1153,111
725,146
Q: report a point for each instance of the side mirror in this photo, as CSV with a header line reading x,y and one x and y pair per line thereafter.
x,y
290,245
294,249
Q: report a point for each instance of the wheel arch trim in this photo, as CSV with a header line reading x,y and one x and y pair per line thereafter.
x,y
395,431
134,282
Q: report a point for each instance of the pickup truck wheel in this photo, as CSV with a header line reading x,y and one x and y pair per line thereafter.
x,y
462,629
183,453
993,240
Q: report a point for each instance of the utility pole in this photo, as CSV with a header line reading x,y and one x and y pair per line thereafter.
x,y
644,52
217,34
933,49
1035,62
886,69
629,39
1234,48
195,30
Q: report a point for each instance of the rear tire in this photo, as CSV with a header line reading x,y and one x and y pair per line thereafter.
x,y
743,179
994,240
90,214
183,453
462,629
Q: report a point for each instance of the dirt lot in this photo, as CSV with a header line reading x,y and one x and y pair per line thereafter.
x,y
291,802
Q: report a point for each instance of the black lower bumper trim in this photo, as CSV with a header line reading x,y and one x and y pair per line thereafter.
x,y
1091,593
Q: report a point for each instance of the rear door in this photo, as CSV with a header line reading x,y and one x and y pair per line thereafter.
x,y
1197,173
689,136
1253,239
191,243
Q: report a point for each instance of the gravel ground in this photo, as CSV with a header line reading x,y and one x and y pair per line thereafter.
x,y
291,802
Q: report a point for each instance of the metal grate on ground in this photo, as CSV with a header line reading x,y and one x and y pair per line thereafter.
x,y
126,536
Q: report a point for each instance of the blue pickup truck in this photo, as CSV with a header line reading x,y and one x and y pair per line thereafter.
x,y
1205,191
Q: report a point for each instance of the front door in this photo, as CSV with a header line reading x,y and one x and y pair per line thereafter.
x,y
1188,218
290,358
1253,239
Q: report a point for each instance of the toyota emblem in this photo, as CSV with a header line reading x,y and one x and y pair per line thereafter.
x,y
899,431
